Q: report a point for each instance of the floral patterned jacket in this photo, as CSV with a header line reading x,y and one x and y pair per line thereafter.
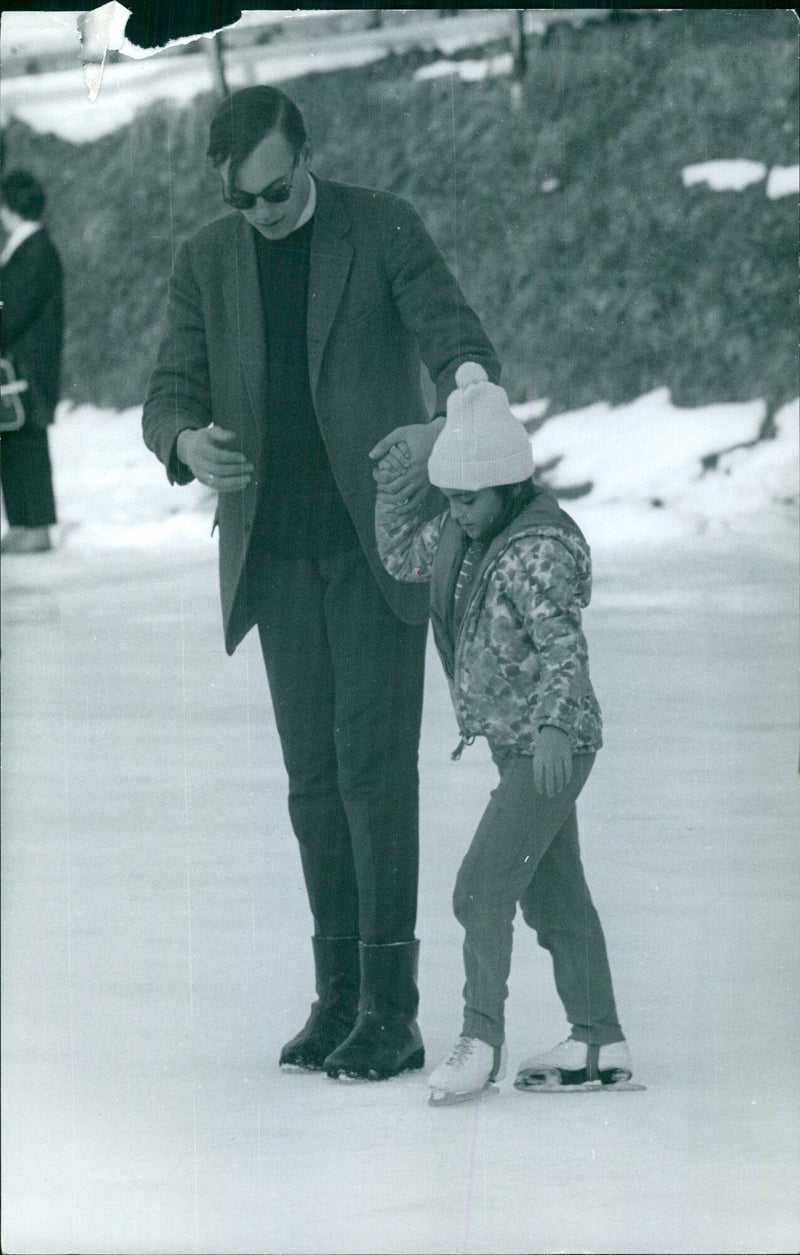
x,y
519,660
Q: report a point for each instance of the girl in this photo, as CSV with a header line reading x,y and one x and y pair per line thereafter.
x,y
509,573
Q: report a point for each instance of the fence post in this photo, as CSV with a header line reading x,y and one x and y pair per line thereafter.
x,y
217,64
518,43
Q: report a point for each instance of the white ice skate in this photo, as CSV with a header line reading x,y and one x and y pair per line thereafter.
x,y
467,1071
573,1066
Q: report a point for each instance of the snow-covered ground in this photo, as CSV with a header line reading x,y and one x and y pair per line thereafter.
x,y
471,70
155,934
735,174
644,462
783,181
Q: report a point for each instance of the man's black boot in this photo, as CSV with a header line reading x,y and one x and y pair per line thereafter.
x,y
334,1013
386,1039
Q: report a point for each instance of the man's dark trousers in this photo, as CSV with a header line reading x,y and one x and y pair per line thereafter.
x,y
346,679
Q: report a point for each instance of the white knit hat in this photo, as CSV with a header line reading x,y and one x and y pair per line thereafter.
x,y
482,444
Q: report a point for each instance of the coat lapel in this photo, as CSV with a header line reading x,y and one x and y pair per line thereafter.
x,y
245,311
331,258
330,261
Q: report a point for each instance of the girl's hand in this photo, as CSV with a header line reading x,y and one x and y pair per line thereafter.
x,y
392,477
392,464
410,487
552,761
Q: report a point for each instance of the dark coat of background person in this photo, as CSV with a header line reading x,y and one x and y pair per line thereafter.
x,y
33,323
379,296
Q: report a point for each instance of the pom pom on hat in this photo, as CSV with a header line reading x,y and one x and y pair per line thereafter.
x,y
469,373
482,444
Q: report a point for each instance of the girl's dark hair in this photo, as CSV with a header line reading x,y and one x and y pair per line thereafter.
x,y
23,194
515,497
245,118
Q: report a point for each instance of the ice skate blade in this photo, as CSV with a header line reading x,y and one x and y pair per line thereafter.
x,y
443,1098
543,1080
530,1085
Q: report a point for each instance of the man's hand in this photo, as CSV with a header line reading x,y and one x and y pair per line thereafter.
x,y
392,464
407,487
209,457
552,761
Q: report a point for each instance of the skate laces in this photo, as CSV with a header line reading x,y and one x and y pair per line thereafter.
x,y
462,1051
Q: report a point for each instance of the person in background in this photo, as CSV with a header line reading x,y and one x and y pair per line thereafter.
x,y
296,328
509,573
31,284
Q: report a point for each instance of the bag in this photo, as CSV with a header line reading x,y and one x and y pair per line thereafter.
x,y
12,397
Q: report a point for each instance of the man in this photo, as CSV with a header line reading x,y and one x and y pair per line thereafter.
x,y
32,336
292,355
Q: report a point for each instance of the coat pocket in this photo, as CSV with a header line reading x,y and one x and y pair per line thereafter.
x,y
359,314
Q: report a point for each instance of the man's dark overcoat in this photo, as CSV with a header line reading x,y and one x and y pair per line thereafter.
x,y
380,296
33,322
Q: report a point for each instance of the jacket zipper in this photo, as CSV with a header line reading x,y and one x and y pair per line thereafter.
x,y
468,739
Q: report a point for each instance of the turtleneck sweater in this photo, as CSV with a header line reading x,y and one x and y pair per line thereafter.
x,y
300,505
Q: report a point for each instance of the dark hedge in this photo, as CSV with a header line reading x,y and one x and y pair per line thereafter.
x,y
618,281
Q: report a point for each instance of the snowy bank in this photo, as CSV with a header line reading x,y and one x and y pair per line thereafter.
x,y
783,181
645,473
726,175
659,473
111,491
737,174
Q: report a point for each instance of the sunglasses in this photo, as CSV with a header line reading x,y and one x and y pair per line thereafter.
x,y
272,195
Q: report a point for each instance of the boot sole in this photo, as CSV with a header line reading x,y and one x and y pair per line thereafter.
x,y
413,1063
297,1063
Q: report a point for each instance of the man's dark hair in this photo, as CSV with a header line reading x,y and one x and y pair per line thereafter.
x,y
22,194
245,118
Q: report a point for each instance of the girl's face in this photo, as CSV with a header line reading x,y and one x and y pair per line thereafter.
x,y
476,512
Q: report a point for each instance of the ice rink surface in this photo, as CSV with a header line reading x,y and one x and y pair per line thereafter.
x,y
156,955
155,934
